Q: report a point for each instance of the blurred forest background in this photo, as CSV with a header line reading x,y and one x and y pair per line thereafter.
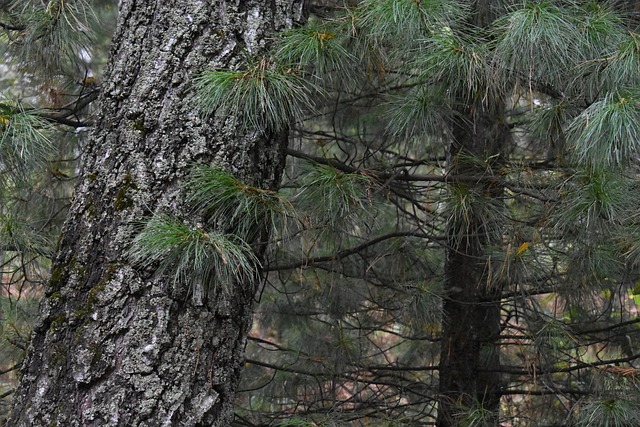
x,y
461,227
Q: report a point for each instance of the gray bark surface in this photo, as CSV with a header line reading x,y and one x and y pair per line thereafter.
x,y
114,345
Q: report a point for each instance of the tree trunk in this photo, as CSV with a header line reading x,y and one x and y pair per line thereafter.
x,y
113,345
471,308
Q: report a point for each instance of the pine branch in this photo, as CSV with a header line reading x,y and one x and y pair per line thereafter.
x,y
308,262
609,328
546,392
10,369
405,176
319,375
61,115
7,393
538,371
11,27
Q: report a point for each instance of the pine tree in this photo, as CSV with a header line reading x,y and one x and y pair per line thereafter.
x,y
467,198
44,117
128,336
454,241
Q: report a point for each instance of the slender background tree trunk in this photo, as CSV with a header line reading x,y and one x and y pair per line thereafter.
x,y
471,308
112,345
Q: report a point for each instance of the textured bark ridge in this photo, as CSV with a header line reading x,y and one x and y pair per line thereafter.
x,y
112,346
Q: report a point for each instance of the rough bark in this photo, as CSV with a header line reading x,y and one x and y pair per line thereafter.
x,y
113,345
471,308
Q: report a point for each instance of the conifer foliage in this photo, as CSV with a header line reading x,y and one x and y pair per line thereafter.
x,y
51,56
468,191
455,238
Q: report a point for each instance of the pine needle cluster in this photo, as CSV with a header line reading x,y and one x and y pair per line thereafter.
x,y
605,135
609,412
334,197
24,144
197,254
264,97
190,254
48,36
221,198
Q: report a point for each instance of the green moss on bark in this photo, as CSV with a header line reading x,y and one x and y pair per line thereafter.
x,y
58,321
123,198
